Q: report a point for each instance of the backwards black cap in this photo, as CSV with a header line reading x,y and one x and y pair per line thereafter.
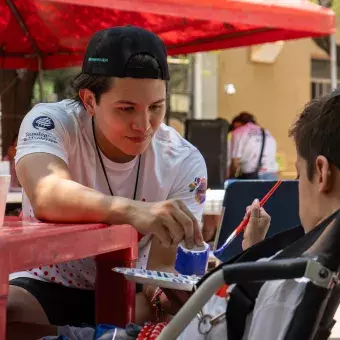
x,y
110,50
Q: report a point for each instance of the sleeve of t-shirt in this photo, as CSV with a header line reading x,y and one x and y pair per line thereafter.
x,y
42,132
191,184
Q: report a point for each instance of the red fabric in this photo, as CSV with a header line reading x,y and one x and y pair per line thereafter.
x,y
151,331
61,30
222,292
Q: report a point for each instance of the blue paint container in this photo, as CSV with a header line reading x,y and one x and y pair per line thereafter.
x,y
192,261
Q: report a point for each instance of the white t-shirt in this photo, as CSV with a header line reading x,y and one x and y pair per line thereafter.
x,y
170,168
245,144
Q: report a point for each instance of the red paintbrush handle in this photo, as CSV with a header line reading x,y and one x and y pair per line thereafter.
x,y
242,225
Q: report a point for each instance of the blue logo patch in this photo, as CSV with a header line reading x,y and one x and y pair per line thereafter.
x,y
43,123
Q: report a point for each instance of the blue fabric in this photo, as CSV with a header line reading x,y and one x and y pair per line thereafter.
x,y
269,176
101,330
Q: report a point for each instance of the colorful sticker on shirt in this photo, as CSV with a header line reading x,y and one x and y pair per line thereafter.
x,y
43,123
199,186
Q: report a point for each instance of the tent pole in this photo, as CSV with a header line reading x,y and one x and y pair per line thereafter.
x,y
24,28
333,56
198,86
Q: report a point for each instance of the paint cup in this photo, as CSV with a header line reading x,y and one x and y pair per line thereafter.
x,y
192,261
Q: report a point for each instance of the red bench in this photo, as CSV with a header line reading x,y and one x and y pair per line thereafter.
x,y
28,244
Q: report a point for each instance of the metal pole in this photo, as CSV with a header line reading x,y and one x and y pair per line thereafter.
x,y
24,28
333,56
198,86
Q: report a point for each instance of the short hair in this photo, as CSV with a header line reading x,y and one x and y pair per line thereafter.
x,y
316,131
244,118
14,138
102,84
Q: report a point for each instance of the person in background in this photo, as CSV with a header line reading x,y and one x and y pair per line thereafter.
x,y
11,152
252,150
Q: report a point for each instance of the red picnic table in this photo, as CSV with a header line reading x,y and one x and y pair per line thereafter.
x,y
29,244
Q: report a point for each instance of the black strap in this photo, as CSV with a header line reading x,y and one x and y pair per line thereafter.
x,y
103,166
255,173
259,164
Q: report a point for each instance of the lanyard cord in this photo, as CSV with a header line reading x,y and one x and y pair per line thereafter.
x,y
103,166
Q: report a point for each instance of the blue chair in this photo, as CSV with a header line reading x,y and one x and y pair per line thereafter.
x,y
283,207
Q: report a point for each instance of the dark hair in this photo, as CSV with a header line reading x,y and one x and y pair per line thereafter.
x,y
317,131
244,118
102,84
14,139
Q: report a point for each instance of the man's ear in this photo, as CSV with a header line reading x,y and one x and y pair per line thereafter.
x,y
323,174
88,99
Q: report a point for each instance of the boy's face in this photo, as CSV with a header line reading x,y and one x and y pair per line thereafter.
x,y
315,194
129,114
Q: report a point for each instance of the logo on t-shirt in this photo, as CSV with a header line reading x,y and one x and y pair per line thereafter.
x,y
43,123
199,186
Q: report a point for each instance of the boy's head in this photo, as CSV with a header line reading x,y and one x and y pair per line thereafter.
x,y
316,133
123,84
242,119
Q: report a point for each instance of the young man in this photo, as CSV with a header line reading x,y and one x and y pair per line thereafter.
x,y
252,150
316,136
107,157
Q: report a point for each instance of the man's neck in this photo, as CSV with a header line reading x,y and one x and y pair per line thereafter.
x,y
326,209
110,151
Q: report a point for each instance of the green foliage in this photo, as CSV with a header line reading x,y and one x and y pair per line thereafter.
x,y
335,5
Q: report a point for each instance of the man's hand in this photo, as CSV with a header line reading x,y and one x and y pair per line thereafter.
x,y
257,226
170,221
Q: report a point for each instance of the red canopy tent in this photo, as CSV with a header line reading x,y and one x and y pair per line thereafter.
x,y
53,34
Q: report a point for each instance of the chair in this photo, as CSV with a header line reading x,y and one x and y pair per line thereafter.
x,y
313,257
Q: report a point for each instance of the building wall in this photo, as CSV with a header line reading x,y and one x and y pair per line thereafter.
x,y
275,93
210,85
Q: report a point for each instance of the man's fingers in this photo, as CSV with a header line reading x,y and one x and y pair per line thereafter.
x,y
187,225
164,236
197,232
174,228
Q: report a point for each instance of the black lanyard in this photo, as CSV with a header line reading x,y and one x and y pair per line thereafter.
x,y
103,167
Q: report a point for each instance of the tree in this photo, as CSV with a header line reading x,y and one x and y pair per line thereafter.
x,y
324,42
16,92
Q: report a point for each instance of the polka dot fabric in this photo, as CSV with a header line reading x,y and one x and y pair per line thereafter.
x,y
78,274
82,273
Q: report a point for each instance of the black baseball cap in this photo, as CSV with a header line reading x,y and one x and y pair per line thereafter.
x,y
109,51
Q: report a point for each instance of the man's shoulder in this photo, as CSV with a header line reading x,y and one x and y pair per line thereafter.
x,y
48,116
169,142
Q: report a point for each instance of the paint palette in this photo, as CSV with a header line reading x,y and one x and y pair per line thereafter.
x,y
160,279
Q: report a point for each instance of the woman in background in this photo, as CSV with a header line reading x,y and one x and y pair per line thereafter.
x,y
252,150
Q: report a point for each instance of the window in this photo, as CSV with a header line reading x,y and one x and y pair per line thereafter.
x,y
321,78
